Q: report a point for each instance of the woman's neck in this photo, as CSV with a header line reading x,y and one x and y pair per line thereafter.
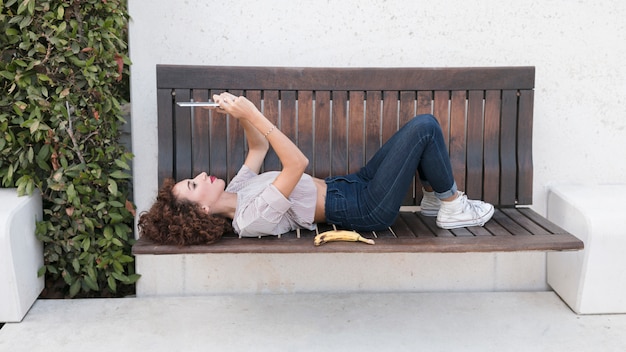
x,y
227,205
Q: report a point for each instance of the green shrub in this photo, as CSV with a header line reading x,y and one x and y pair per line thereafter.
x,y
64,76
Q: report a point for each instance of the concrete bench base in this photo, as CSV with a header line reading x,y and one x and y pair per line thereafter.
x,y
259,273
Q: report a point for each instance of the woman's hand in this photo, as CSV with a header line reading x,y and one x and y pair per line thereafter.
x,y
237,107
293,160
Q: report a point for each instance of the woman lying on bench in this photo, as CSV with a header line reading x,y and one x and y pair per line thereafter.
x,y
200,210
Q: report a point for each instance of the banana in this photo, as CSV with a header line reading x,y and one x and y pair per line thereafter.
x,y
340,235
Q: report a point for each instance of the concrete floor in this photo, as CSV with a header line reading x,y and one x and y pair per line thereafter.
x,y
536,321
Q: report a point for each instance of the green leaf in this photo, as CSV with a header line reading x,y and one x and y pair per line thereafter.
x,y
20,63
67,277
126,259
52,269
119,175
91,283
108,232
120,277
86,244
24,5
75,288
8,75
122,230
112,187
19,107
118,266
34,126
42,271
122,164
116,218
60,12
11,32
76,265
116,204
112,283
92,273
24,185
89,224
71,193
43,78
26,21
133,278
62,27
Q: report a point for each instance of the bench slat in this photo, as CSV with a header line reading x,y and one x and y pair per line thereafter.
x,y
236,142
405,113
457,134
462,232
441,110
511,226
519,217
491,175
323,78
165,134
474,149
356,131
508,148
270,108
479,231
288,114
339,134
305,127
200,126
182,128
524,148
322,131
373,127
219,141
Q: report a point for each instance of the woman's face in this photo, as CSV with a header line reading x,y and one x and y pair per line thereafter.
x,y
203,190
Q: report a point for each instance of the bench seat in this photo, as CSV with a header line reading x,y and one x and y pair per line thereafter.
x,y
519,229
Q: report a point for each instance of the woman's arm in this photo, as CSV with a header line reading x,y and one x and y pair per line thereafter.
x,y
257,146
293,160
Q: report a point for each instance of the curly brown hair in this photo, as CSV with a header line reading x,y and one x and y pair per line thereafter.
x,y
173,222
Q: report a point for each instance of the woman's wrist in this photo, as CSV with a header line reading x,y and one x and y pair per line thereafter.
x,y
269,131
261,123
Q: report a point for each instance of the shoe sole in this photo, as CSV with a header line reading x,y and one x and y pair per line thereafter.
x,y
475,222
429,212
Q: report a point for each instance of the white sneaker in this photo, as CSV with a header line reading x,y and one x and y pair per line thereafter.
x,y
430,204
463,212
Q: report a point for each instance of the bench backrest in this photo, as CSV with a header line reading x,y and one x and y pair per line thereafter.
x,y
339,117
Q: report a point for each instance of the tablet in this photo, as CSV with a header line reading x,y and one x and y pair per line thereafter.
x,y
197,103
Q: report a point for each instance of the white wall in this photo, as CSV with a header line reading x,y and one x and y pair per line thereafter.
x,y
577,47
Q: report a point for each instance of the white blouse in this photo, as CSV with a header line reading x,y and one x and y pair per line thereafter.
x,y
262,210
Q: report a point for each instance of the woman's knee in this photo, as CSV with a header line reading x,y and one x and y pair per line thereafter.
x,y
425,123
426,120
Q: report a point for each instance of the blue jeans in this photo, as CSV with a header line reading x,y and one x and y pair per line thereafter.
x,y
370,199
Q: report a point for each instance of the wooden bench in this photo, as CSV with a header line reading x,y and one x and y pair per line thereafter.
x,y
339,117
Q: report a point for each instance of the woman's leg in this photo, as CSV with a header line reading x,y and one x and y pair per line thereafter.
x,y
370,199
417,146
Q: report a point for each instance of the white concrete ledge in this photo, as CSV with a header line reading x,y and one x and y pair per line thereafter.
x,y
592,281
21,254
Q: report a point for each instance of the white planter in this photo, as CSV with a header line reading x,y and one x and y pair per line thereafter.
x,y
21,254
